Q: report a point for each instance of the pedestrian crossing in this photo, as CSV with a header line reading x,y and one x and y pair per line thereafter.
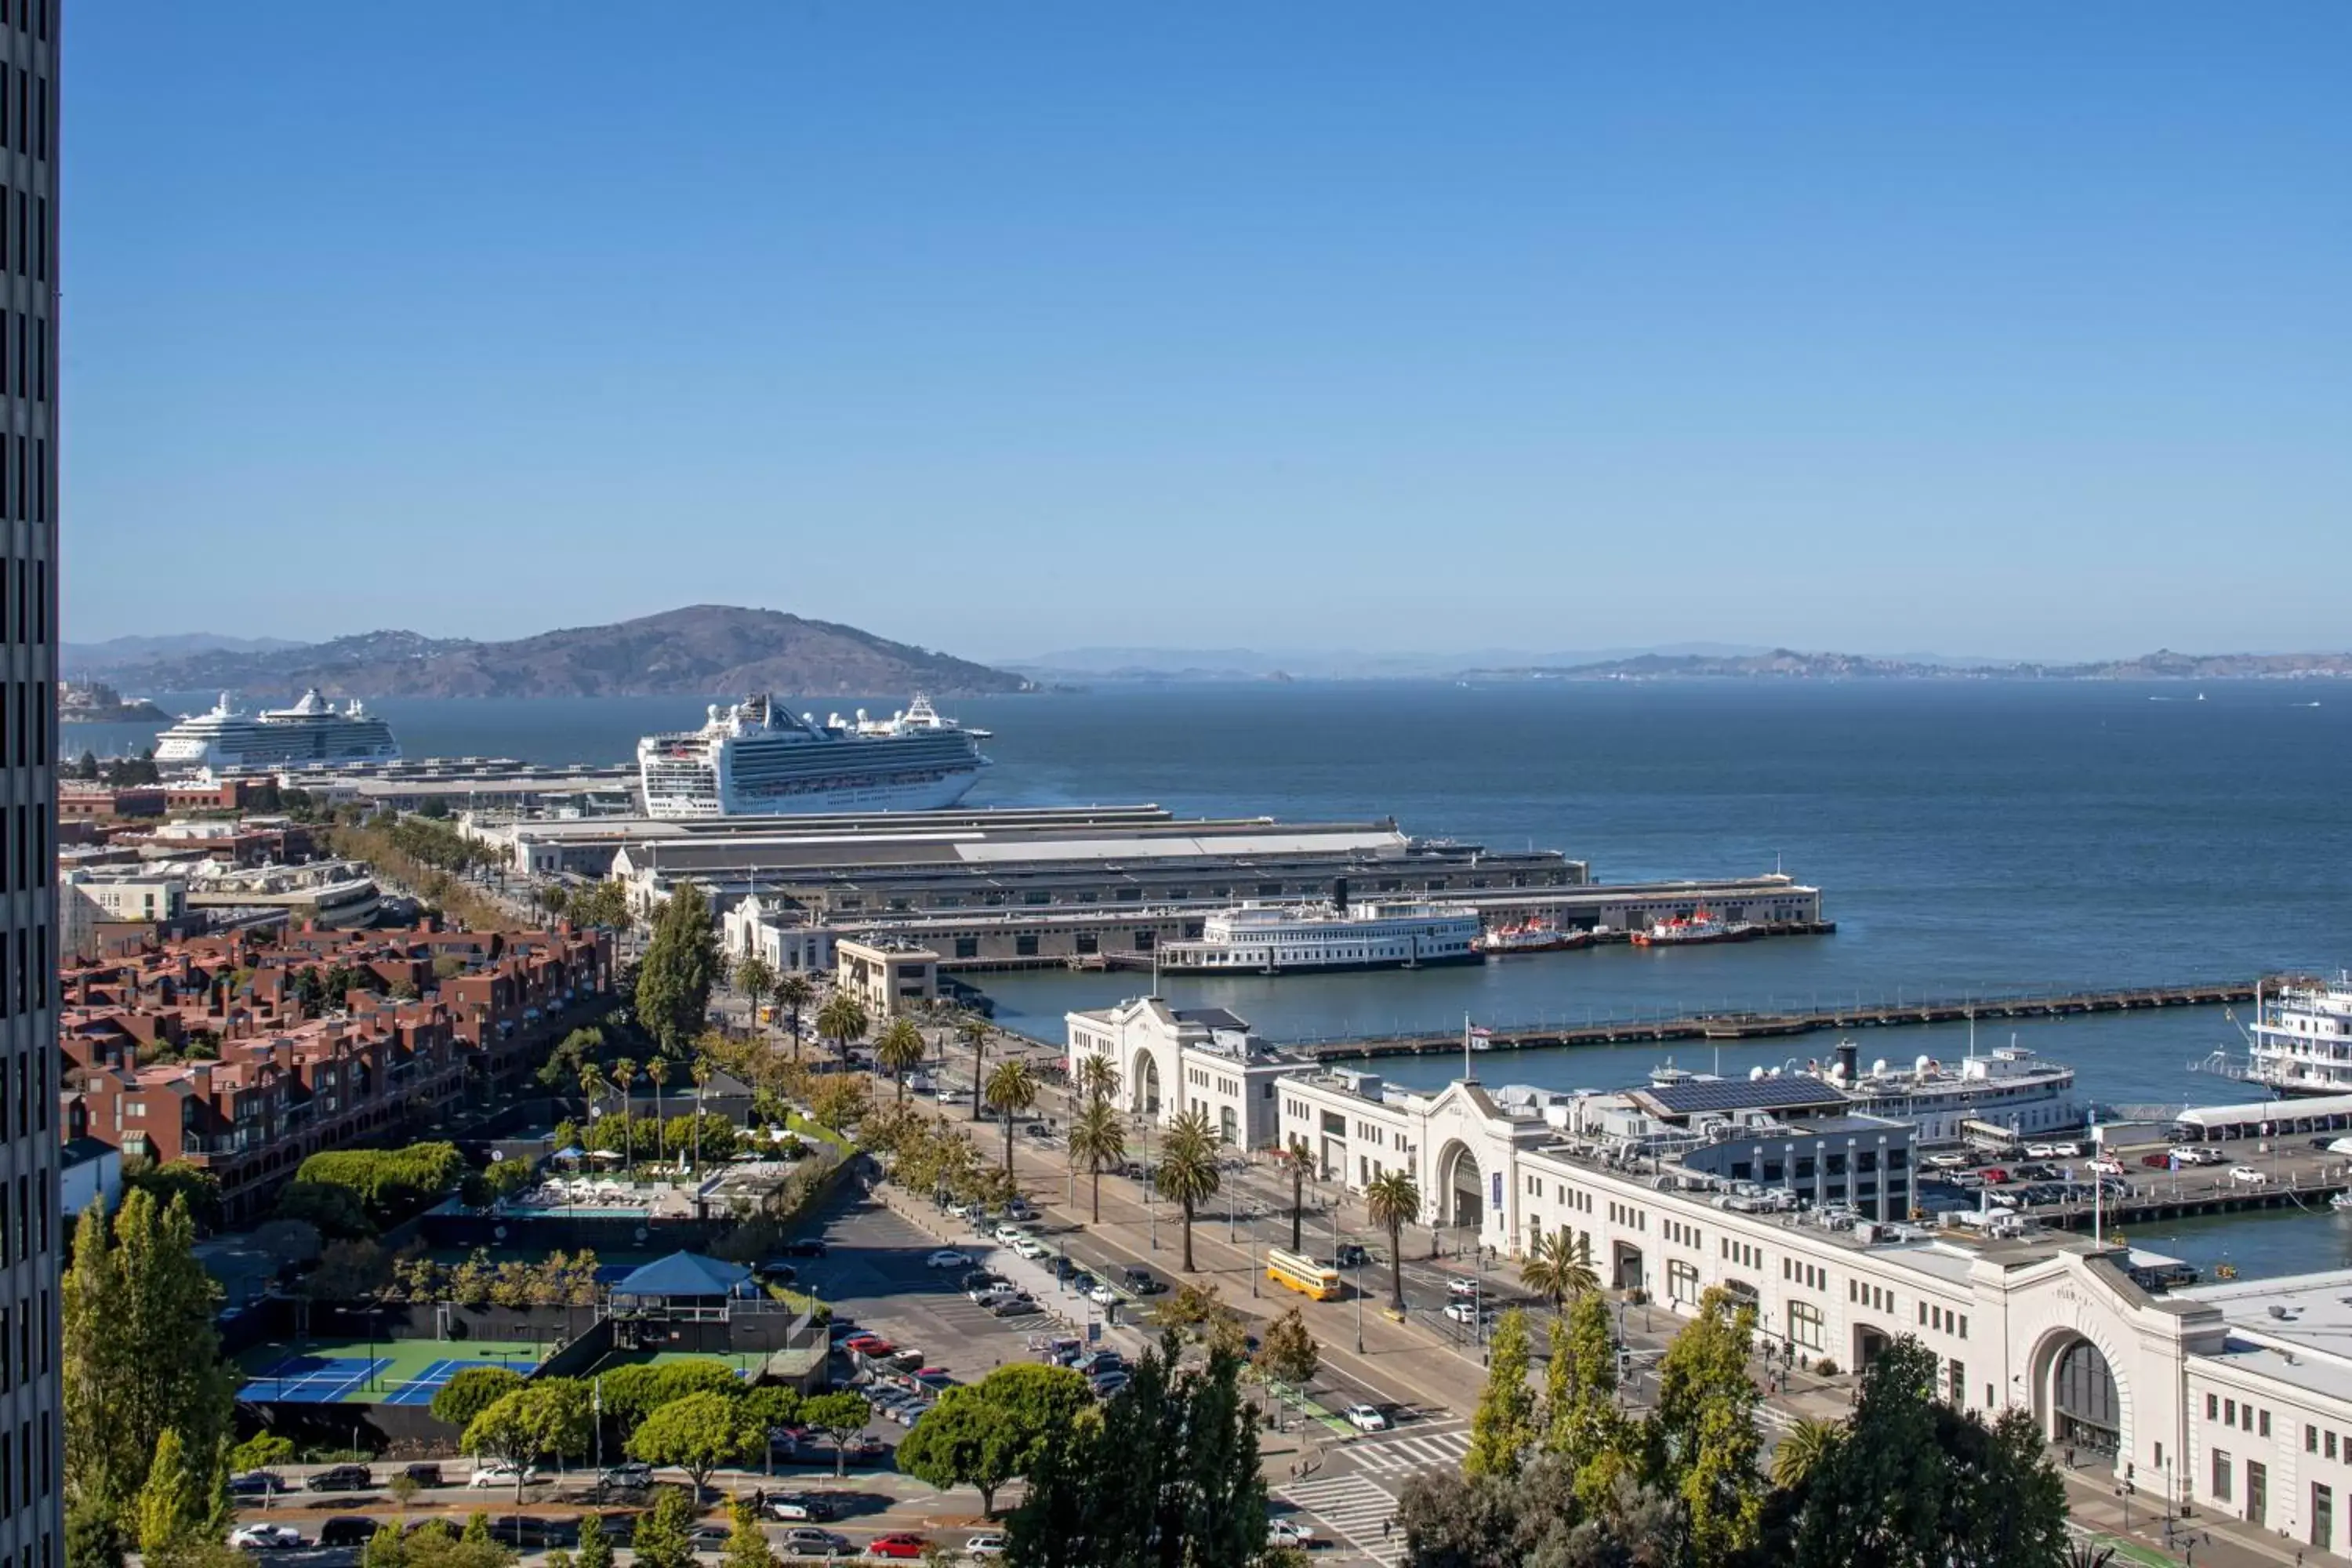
x,y
1355,1510
1405,1454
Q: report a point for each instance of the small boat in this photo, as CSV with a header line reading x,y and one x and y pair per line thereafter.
x,y
1698,929
2340,1202
1532,935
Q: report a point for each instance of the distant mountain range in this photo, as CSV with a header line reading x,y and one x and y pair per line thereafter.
x,y
702,650
1684,661
1786,664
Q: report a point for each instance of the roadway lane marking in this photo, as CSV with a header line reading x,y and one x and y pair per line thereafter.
x,y
1353,1509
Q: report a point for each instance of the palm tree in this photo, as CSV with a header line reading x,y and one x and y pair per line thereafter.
x,y
625,1079
658,1069
1395,1202
1097,1138
592,1085
842,1020
1298,1162
1098,1079
898,1051
1188,1168
794,993
1011,1089
1560,1267
755,978
1802,1451
973,1032
701,1072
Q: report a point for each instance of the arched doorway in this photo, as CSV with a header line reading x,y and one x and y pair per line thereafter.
x,y
1146,1078
1464,1202
1869,1344
1625,1267
2086,1410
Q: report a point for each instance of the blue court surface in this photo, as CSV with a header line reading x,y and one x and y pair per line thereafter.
x,y
313,1380
420,1389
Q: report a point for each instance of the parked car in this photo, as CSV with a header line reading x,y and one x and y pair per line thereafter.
x,y
2107,1167
709,1536
1029,1247
265,1538
1945,1162
629,1476
1014,1304
1366,1417
340,1478
2250,1176
897,1543
808,1542
1289,1532
347,1530
989,1287
988,1545
1103,1296
795,1507
501,1475
2042,1150
1019,1209
806,1246
2067,1151
255,1483
775,1271
1095,1360
947,1258
1994,1174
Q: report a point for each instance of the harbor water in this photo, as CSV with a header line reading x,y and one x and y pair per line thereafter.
x,y
1970,838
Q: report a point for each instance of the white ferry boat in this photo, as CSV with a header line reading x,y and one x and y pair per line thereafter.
x,y
1537,935
1699,928
313,733
754,759
2301,1039
1275,938
2010,1088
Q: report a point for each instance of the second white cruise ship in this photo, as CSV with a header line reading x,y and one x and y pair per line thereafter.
x,y
313,733
754,759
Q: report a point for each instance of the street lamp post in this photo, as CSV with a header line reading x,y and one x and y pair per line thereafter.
x,y
1359,1308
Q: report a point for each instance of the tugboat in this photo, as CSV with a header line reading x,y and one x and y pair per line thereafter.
x,y
1534,934
1698,929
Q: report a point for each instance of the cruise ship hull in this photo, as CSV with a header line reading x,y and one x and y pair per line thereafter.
x,y
929,794
1174,963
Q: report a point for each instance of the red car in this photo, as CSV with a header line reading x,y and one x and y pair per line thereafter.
x,y
900,1544
1996,1176
873,1345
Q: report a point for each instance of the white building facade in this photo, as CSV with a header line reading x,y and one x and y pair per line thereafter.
x,y
788,943
1171,1061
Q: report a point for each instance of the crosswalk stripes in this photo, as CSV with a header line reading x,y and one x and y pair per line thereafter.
x,y
1404,1454
1354,1510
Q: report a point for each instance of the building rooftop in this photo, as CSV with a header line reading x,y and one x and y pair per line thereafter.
x,y
1694,1095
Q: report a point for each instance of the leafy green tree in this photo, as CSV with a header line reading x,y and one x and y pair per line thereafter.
x,y
1012,1090
547,1417
385,1548
470,1391
1596,1446
1394,1202
1913,1483
747,1543
178,1179
840,1415
171,1507
141,1356
1187,1172
94,1535
390,1183
698,1433
989,1433
595,1546
839,1102
1164,1472
632,1393
663,1538
1704,1427
1504,1424
899,1052
1288,1352
262,1451
842,1020
1097,1142
680,966
973,1032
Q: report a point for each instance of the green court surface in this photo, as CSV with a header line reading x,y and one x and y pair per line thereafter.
x,y
400,1363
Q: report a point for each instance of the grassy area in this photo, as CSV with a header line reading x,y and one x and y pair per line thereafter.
x,y
794,1122
746,1362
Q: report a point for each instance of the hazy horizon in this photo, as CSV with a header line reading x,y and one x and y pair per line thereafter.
x,y
998,332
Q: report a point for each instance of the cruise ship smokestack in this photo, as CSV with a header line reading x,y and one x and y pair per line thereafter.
x,y
1338,892
1849,1055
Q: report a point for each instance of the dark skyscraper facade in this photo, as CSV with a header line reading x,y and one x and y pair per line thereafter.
x,y
32,1433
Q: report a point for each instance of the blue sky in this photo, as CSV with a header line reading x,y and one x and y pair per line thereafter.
x,y
2001,329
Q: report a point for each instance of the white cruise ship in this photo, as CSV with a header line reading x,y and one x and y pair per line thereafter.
x,y
313,733
2009,1088
754,759
2301,1039
1275,938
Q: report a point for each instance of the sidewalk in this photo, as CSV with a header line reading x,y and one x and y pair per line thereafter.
x,y
2207,1538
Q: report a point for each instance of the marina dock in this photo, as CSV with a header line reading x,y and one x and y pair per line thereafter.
x,y
1732,1026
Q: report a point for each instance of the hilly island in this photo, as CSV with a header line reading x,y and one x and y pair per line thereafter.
x,y
701,650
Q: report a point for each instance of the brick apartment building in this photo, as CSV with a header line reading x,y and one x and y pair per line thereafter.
x,y
294,1070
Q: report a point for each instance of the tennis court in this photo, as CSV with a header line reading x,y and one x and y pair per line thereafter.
x,y
388,1371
